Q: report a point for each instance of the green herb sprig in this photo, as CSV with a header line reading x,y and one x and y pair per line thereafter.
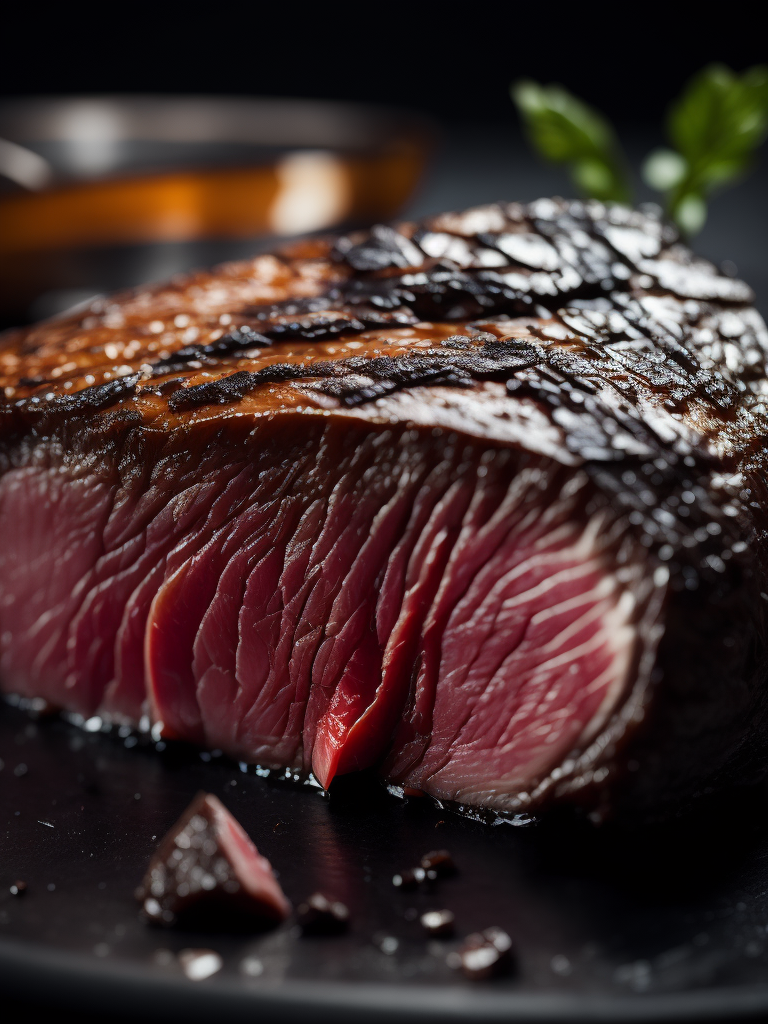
x,y
564,130
714,129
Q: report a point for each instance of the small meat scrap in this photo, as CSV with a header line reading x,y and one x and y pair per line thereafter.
x,y
485,954
438,923
320,916
409,879
207,868
433,865
438,864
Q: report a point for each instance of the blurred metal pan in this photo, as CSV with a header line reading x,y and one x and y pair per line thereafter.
x,y
101,193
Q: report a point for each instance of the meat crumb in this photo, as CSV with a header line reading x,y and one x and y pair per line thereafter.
x,y
438,864
485,954
438,923
206,867
409,879
320,916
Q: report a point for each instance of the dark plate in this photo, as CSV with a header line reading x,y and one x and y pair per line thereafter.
x,y
665,923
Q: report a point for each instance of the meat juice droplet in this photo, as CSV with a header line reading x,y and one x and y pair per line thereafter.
x,y
252,967
199,964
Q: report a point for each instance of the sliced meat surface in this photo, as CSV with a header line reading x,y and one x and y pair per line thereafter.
x,y
377,589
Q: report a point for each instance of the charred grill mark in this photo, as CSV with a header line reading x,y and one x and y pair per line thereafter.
x,y
231,389
461,360
544,254
391,375
238,340
215,392
95,398
662,363
380,249
446,293
101,396
327,325
294,307
315,326
412,377
338,378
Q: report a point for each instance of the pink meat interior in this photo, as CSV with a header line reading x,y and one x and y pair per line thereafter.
x,y
253,872
326,598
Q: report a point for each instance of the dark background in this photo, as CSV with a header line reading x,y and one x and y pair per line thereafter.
x,y
454,62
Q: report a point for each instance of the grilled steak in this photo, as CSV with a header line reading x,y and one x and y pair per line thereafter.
x,y
477,501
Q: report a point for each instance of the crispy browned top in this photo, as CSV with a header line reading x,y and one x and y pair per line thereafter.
x,y
477,319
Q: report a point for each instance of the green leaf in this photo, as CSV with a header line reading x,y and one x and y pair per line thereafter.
x,y
593,177
716,126
564,130
690,213
663,169
720,116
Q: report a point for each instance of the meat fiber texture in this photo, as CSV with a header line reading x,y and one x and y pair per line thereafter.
x,y
477,503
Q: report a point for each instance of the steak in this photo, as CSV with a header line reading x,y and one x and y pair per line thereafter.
x,y
477,503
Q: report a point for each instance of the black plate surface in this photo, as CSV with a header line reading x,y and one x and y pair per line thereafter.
x,y
667,923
